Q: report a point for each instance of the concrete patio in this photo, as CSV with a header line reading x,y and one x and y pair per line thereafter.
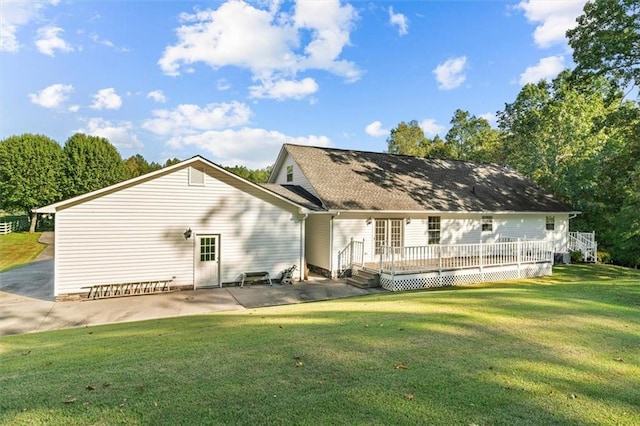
x,y
27,303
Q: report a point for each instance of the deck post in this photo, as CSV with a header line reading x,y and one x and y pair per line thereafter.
x,y
351,253
519,255
440,264
481,262
393,262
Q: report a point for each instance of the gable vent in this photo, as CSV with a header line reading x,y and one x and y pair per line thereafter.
x,y
196,176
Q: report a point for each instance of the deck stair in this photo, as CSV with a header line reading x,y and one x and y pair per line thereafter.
x,y
364,278
584,242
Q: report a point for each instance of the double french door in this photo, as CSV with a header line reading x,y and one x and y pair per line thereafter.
x,y
388,232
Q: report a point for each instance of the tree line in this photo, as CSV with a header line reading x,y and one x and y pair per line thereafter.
x,y
578,136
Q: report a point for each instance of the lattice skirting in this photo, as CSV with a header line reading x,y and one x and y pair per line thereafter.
x,y
463,276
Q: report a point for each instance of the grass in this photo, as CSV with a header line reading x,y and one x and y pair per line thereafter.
x,y
19,248
556,350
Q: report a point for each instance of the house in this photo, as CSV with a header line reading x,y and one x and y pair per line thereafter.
x,y
384,201
193,224
414,222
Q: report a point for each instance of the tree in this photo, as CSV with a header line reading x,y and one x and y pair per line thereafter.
x,y
472,138
606,40
91,163
31,173
171,162
255,176
549,133
407,139
439,148
136,166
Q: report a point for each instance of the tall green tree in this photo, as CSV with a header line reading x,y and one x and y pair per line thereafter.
x,y
91,163
407,139
136,165
439,148
549,133
472,138
606,40
31,173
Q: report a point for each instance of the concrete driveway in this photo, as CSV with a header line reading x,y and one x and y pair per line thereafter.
x,y
27,303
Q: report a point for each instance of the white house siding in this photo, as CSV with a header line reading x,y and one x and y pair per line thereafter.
x,y
298,176
317,240
136,232
346,226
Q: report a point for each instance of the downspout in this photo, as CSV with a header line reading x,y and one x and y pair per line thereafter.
x,y
303,237
331,248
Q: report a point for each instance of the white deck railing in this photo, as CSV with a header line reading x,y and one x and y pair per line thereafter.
x,y
584,242
408,260
352,255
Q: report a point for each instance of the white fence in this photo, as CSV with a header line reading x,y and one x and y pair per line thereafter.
x,y
13,226
411,260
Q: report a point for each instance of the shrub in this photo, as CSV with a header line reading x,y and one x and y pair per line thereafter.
x,y
576,256
604,257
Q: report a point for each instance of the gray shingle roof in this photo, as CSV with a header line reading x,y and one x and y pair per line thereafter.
x,y
357,180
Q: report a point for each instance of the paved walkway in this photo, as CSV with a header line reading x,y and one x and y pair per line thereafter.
x,y
27,304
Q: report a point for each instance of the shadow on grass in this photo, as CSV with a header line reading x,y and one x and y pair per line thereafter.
x,y
566,353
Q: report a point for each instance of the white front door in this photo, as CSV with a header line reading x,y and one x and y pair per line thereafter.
x,y
207,261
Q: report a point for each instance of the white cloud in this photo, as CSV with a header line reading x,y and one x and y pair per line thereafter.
x,y
400,20
450,74
222,84
284,89
96,39
49,41
554,18
546,68
106,99
16,14
191,119
375,129
430,127
490,117
269,43
52,96
209,128
119,134
253,148
74,108
157,96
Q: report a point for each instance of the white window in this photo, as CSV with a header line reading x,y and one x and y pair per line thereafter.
x,y
208,249
388,232
196,176
289,173
550,223
487,223
433,231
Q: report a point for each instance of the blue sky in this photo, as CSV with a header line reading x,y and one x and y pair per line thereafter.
x,y
234,80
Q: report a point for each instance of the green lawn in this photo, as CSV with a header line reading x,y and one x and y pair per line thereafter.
x,y
557,350
19,248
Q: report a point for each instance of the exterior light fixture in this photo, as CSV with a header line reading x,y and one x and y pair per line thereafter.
x,y
408,220
369,220
187,234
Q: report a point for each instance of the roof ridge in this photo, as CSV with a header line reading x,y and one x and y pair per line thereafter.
x,y
328,148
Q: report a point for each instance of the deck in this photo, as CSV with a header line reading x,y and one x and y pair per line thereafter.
x,y
409,268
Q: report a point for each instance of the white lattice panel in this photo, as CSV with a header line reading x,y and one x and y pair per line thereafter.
x,y
459,277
